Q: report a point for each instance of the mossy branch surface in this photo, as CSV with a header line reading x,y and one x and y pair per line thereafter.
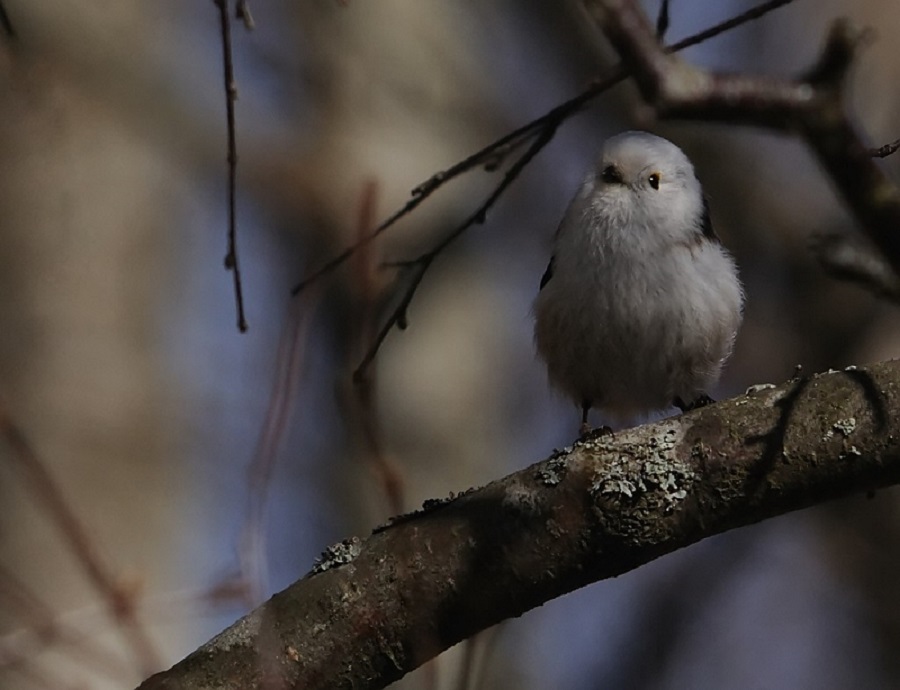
x,y
374,609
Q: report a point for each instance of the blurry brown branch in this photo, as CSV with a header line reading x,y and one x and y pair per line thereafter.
x,y
292,351
120,599
597,510
5,22
850,258
493,154
886,150
231,256
42,628
367,293
810,105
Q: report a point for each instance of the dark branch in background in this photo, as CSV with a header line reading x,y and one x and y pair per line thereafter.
x,y
419,266
850,258
542,129
810,106
595,511
120,599
662,21
5,22
886,150
231,257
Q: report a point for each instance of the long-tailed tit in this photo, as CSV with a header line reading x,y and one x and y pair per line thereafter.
x,y
639,307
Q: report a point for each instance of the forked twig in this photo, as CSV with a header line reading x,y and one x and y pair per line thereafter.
x,y
420,265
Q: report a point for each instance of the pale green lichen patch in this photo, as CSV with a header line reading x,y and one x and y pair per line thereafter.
x,y
553,471
844,427
650,472
337,555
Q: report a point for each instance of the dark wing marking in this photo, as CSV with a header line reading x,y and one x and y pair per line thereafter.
x,y
548,274
706,223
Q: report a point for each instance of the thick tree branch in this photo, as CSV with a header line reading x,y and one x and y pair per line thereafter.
x,y
375,609
810,106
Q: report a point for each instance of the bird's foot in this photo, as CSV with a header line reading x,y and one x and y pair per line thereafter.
x,y
701,400
589,434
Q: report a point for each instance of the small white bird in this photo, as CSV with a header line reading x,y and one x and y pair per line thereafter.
x,y
640,304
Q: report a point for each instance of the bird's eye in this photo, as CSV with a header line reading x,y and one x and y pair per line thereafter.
x,y
654,180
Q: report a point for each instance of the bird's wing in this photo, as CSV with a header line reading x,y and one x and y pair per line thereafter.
x,y
548,274
706,223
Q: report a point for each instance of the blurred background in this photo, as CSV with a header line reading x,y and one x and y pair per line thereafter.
x,y
206,469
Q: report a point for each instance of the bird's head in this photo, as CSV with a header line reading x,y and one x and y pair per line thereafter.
x,y
646,184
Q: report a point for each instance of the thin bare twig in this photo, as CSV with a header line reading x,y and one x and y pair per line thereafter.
x,y
231,256
120,599
754,13
420,265
487,156
662,21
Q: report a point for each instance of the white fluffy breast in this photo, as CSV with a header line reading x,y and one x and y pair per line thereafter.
x,y
640,308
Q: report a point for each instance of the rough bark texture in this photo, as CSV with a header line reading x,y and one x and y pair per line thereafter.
x,y
372,610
